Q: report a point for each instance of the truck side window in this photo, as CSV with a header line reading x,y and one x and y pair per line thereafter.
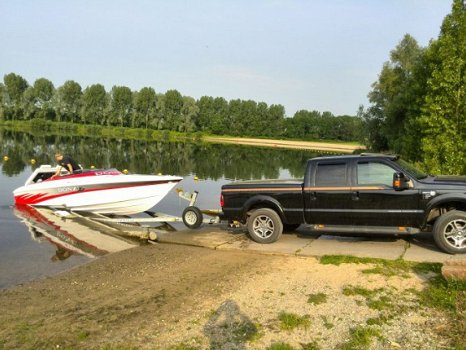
x,y
372,173
331,174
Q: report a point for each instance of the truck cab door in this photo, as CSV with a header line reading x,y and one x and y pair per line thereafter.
x,y
327,193
375,202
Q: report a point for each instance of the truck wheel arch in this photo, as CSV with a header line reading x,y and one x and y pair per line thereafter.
x,y
442,205
261,201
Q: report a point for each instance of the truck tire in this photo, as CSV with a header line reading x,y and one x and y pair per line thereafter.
x,y
450,232
264,226
192,217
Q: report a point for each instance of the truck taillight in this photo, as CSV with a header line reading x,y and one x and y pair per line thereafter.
x,y
222,201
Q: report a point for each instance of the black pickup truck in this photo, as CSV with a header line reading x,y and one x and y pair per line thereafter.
x,y
367,193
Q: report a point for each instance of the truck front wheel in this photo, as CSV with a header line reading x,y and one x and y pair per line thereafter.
x,y
450,232
264,225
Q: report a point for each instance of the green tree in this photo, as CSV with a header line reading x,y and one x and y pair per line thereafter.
x,y
212,115
444,112
232,120
347,128
43,91
305,125
173,103
189,113
145,104
274,123
158,122
395,101
67,101
259,123
220,112
327,124
15,86
247,118
28,104
206,113
2,101
94,105
121,104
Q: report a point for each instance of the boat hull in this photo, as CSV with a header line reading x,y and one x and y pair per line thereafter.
x,y
121,194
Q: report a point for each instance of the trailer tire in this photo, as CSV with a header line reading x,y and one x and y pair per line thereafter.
x,y
192,217
264,226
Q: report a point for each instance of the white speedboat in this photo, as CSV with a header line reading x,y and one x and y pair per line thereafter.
x,y
98,191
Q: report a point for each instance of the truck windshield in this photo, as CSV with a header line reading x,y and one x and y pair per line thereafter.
x,y
411,169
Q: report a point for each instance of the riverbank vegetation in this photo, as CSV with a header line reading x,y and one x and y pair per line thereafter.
x,y
418,103
146,111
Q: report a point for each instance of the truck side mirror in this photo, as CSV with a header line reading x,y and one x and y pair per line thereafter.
x,y
400,181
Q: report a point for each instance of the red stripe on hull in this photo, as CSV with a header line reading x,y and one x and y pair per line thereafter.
x,y
28,199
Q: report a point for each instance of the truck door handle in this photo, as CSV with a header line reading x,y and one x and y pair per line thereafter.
x,y
355,195
313,196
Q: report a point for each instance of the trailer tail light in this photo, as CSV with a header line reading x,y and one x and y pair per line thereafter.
x,y
222,201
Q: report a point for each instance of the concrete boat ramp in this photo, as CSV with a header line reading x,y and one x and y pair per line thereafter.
x,y
303,242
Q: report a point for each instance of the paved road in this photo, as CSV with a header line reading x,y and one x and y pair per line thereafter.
x,y
304,243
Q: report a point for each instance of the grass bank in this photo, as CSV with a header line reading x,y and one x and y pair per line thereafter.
x,y
45,127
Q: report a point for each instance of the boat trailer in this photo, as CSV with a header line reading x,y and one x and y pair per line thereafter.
x,y
143,227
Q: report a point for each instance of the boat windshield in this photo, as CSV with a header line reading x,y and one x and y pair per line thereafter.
x,y
411,169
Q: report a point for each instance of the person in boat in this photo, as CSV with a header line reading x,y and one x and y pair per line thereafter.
x,y
68,163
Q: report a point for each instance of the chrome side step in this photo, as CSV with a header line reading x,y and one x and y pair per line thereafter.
x,y
365,229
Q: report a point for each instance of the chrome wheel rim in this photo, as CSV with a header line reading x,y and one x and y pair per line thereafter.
x,y
455,233
263,226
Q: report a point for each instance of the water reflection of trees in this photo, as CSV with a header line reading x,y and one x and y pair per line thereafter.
x,y
147,157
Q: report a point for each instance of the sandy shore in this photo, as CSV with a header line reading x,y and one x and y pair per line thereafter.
x,y
318,146
167,296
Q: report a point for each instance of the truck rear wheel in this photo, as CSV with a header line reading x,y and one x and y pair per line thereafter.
x,y
450,232
264,226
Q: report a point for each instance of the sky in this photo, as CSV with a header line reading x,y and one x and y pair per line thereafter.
x,y
303,54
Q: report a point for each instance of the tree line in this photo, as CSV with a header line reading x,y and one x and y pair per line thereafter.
x,y
146,109
418,103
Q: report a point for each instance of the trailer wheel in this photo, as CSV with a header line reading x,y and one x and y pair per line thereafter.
x,y
264,226
192,217
450,232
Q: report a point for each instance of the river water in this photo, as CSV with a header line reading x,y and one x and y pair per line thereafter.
x,y
35,244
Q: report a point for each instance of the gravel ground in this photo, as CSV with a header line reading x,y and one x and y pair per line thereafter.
x,y
179,297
